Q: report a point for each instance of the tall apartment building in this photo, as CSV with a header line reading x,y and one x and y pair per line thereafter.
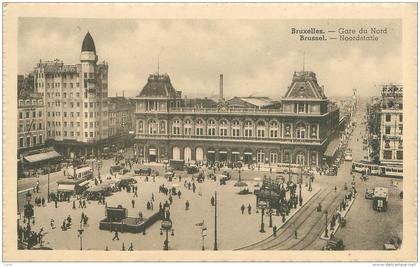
x,y
299,129
391,125
75,98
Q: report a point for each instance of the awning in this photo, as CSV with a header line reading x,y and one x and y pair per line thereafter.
x,y
84,183
332,147
211,151
235,152
223,152
152,151
65,187
42,156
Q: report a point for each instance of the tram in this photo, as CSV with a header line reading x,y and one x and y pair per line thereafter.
x,y
380,199
380,170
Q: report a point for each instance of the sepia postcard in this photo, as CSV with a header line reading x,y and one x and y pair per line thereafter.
x,y
210,132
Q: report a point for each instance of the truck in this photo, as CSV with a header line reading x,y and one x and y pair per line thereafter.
x,y
177,164
380,198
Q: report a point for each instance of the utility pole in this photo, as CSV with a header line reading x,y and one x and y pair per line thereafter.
x,y
215,221
48,177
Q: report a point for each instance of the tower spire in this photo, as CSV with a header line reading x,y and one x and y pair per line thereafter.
x,y
158,66
303,64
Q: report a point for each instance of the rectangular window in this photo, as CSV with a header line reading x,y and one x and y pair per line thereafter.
x,y
387,154
91,134
21,142
387,130
387,117
401,118
40,114
301,108
400,155
86,134
86,124
86,104
20,115
400,130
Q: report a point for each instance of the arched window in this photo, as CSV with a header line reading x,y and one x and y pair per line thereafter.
x,y
188,127
236,128
260,156
223,128
274,129
248,127
300,158
211,127
199,127
261,129
176,127
301,131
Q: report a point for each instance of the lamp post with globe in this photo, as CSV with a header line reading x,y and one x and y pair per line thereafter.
x,y
262,205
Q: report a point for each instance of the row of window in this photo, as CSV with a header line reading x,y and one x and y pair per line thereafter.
x,y
388,145
72,124
29,142
399,132
301,130
72,133
76,114
71,104
30,128
56,75
28,102
388,154
388,117
28,114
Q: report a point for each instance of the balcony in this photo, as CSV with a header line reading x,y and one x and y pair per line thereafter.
x,y
295,141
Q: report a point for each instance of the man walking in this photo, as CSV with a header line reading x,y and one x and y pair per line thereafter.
x,y
242,208
132,203
249,209
115,235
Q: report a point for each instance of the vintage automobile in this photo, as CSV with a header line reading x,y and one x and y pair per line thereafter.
x,y
115,168
143,171
334,244
169,175
369,193
192,169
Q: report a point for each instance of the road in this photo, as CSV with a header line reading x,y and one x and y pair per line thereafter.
x,y
366,229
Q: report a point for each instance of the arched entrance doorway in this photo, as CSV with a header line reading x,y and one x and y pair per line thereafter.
x,y
223,155
187,154
176,153
199,154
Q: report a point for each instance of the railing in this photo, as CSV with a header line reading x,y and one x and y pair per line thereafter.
x,y
227,138
229,111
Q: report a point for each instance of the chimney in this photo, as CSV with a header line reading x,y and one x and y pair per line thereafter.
x,y
221,88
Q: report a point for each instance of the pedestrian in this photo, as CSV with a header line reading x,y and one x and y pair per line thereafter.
x,y
52,224
84,203
55,202
115,235
274,231
132,202
170,200
135,193
296,234
242,208
249,208
153,197
43,201
187,205
74,204
212,201
179,194
131,247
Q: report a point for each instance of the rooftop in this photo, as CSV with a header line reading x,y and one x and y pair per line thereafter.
x,y
159,85
88,44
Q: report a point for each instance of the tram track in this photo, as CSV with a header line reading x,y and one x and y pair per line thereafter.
x,y
304,213
315,229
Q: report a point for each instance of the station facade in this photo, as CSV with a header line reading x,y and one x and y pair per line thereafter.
x,y
298,129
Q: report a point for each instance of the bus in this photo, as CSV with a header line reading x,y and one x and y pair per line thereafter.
x,y
380,199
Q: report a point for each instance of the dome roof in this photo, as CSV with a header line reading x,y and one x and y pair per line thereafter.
x,y
88,45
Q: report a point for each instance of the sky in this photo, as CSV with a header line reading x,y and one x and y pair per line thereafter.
x,y
256,57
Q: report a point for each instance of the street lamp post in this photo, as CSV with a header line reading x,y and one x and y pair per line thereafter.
x,y
80,235
326,224
215,221
262,206
271,210
166,226
48,178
